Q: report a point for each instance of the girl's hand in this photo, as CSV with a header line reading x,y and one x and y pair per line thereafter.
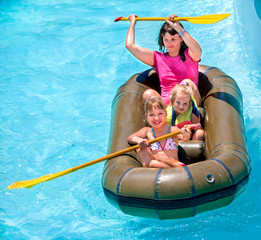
x,y
194,126
185,130
143,143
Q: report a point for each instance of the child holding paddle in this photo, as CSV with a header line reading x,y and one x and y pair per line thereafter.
x,y
183,111
177,61
163,154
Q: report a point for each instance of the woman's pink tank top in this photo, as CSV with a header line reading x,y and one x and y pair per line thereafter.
x,y
172,70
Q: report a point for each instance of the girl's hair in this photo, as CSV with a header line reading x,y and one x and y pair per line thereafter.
x,y
180,88
167,28
154,102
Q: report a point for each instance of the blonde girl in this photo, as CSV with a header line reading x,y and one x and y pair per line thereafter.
x,y
183,111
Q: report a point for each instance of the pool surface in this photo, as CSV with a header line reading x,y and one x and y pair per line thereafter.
x,y
61,63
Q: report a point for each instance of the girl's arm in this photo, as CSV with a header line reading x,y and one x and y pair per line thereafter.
x,y
143,54
140,137
194,48
195,125
185,134
195,120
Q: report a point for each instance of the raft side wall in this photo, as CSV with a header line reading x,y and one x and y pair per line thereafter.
x,y
225,136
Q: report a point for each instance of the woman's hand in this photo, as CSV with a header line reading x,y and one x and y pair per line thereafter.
x,y
132,18
194,47
172,16
174,24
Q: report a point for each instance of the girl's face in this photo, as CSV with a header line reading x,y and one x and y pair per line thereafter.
x,y
181,103
172,43
156,117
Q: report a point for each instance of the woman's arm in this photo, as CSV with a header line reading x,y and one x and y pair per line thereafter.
x,y
143,54
194,48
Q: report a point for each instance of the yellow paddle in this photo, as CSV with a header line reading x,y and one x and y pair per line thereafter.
x,y
48,177
205,19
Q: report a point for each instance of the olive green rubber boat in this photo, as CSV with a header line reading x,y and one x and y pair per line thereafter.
x,y
216,171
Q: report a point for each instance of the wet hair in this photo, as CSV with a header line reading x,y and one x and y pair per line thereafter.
x,y
180,88
153,102
166,28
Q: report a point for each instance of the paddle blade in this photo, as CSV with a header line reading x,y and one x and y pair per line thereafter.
x,y
118,19
45,178
205,19
29,183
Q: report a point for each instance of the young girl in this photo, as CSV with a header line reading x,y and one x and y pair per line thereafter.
x,y
178,60
163,154
183,111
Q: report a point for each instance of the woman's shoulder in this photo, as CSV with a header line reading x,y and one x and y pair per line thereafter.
x,y
159,57
161,53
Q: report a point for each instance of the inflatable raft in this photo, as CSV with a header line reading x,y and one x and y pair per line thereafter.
x,y
217,169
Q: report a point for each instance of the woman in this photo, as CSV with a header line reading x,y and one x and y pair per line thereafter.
x,y
180,61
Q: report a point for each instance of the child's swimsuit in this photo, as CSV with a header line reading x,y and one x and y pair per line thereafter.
x,y
170,144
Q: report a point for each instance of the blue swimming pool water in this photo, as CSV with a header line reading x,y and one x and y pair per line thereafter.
x,y
61,62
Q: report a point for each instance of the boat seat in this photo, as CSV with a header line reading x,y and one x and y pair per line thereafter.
x,y
194,150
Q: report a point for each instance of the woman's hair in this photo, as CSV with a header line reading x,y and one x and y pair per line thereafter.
x,y
153,102
167,28
180,88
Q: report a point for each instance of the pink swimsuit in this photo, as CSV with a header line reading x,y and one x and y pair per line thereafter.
x,y
172,70
169,144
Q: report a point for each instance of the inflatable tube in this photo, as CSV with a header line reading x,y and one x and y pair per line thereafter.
x,y
218,169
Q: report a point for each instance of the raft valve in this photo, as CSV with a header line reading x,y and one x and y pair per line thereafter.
x,y
210,178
